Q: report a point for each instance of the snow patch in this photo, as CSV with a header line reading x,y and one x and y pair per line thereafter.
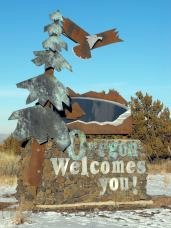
x,y
133,219
159,184
5,194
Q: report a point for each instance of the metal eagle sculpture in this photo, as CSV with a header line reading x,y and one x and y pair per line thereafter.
x,y
85,41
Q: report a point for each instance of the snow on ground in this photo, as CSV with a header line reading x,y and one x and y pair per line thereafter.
x,y
7,190
159,217
5,194
159,184
156,218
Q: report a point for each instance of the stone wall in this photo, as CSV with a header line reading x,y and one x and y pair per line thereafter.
x,y
103,170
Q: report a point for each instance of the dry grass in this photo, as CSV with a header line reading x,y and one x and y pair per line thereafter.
x,y
160,166
8,180
8,168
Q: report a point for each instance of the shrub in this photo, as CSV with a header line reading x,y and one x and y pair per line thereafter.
x,y
11,146
151,125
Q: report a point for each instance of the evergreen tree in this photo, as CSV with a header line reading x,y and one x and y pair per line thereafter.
x,y
151,125
43,121
51,57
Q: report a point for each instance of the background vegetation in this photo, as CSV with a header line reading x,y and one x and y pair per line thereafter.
x,y
151,125
10,146
9,157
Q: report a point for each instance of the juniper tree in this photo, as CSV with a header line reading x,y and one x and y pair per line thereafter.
x,y
151,125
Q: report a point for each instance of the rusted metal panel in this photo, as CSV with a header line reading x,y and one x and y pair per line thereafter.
x,y
83,50
73,31
107,129
80,36
108,37
46,88
42,124
34,171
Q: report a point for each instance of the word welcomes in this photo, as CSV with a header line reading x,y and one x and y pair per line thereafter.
x,y
62,166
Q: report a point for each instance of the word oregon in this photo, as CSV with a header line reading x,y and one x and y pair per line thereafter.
x,y
114,149
63,165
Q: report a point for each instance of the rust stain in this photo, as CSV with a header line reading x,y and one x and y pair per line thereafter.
x,y
34,173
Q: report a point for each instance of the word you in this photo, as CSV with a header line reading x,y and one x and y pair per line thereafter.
x,y
118,183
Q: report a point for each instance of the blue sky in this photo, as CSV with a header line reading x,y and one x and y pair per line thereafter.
x,y
141,62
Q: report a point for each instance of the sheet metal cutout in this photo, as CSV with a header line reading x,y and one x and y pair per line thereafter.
x,y
98,110
51,59
46,88
85,41
53,45
41,124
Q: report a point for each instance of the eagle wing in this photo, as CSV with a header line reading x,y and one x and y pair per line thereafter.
x,y
78,35
81,37
108,37
73,31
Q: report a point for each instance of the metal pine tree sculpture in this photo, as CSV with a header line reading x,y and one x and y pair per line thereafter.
x,y
40,121
53,45
43,121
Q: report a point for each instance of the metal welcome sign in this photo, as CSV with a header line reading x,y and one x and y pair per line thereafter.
x,y
69,155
